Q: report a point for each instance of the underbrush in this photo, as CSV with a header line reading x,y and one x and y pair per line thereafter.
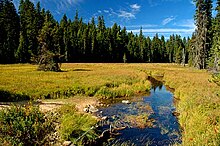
x,y
25,125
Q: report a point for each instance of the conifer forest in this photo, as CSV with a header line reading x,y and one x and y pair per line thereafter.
x,y
32,31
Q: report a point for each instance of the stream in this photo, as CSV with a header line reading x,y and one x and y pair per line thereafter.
x,y
149,120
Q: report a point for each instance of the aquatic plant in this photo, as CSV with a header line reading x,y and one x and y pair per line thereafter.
x,y
76,127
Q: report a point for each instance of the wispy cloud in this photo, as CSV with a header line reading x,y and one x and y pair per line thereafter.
x,y
129,12
126,14
187,23
168,20
164,30
60,5
135,7
106,11
143,26
192,2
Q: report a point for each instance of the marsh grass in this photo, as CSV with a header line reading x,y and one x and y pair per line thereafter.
x,y
75,126
199,104
101,80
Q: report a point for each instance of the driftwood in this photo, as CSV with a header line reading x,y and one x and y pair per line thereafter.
x,y
107,134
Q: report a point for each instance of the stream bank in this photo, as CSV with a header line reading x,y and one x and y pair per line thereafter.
x,y
148,120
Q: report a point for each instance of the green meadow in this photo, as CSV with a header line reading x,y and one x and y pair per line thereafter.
x,y
199,96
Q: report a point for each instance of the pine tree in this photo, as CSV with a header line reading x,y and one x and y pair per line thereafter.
x,y
202,40
49,58
141,45
214,61
29,31
9,31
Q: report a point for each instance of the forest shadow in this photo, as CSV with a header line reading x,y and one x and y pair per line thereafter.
x,y
7,96
81,69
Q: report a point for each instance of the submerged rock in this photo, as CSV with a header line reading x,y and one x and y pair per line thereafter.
x,y
126,101
176,114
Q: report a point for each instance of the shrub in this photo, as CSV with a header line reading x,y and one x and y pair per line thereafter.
x,y
24,126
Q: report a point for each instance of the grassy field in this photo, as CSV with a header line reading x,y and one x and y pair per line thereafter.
x,y
100,80
199,104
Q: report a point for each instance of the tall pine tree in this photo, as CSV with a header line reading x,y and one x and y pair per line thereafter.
x,y
9,31
214,61
202,41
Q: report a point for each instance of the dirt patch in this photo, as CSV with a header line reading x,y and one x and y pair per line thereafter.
x,y
48,105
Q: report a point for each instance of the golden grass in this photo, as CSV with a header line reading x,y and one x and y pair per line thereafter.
x,y
116,80
199,104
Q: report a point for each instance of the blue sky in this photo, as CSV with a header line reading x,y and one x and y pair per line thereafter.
x,y
154,16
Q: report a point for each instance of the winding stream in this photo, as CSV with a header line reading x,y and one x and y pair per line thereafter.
x,y
148,119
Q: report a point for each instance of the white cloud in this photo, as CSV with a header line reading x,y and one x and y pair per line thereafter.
x,y
129,12
99,11
143,26
135,7
188,23
61,5
168,20
126,14
106,11
192,2
164,30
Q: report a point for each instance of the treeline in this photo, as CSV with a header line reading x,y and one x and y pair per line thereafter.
x,y
27,34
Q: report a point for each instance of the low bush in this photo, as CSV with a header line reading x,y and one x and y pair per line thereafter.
x,y
24,126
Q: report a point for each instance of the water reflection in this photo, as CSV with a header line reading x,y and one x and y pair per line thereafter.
x,y
156,108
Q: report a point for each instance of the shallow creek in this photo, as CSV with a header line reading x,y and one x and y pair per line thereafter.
x,y
149,120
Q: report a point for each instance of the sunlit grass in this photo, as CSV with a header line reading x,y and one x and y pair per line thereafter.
x,y
87,79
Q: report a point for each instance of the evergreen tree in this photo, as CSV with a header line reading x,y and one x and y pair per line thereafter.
x,y
214,61
202,39
29,32
9,31
141,45
49,58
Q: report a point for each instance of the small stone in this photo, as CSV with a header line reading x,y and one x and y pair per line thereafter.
x,y
86,110
67,143
126,101
104,118
92,109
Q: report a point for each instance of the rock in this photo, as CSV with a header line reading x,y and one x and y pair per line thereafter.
x,y
126,101
104,118
67,143
92,109
86,109
176,114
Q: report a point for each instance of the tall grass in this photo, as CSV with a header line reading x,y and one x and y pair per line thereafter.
x,y
76,127
102,80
